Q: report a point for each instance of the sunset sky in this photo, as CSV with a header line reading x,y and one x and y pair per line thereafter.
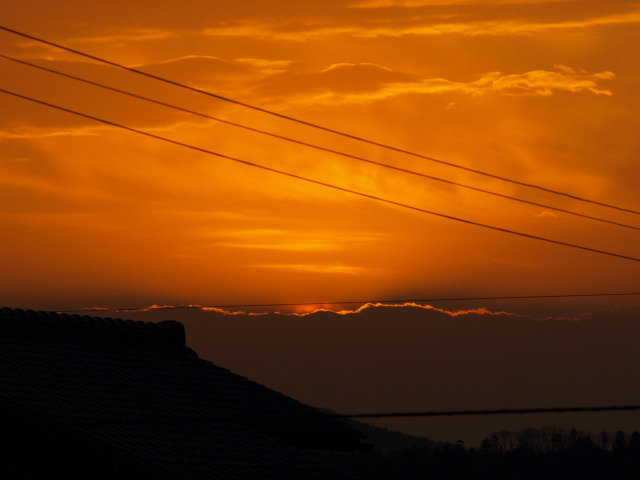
x,y
543,92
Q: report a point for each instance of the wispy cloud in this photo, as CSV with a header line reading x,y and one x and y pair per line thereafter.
x,y
266,66
494,28
68,220
153,308
94,130
338,66
427,25
302,246
132,35
328,269
30,133
282,239
431,3
547,214
533,83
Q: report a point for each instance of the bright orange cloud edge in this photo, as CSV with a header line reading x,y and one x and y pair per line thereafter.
x,y
305,310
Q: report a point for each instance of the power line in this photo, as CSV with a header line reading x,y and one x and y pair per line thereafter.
x,y
306,144
324,184
313,125
506,411
362,302
167,420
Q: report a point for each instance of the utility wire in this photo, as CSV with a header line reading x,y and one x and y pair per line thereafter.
x,y
362,302
306,144
506,411
316,413
313,125
318,182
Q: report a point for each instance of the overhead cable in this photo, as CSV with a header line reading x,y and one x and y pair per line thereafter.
x,y
314,413
324,184
310,124
504,411
317,147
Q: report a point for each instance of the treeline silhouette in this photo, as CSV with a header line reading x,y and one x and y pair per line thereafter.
x,y
530,454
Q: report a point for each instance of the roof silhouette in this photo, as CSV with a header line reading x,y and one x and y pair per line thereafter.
x,y
102,396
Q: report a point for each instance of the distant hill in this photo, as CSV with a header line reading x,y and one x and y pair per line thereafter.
x,y
386,441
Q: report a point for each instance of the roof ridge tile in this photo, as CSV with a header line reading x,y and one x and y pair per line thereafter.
x,y
168,333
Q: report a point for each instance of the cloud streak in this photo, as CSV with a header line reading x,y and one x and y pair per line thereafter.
x,y
288,240
430,3
419,26
327,269
533,83
125,36
495,28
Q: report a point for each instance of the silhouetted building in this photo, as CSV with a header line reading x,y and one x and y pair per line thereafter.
x,y
96,398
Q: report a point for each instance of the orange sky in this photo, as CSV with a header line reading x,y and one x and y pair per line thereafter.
x,y
541,91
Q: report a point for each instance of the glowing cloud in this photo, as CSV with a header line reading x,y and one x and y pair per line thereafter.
x,y
429,3
266,66
303,246
31,133
429,25
338,66
142,35
274,239
331,269
547,214
494,28
451,313
533,83
304,310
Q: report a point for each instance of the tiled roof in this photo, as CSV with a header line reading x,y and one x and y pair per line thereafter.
x,y
135,387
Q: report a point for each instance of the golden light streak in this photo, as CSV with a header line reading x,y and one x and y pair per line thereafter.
x,y
329,269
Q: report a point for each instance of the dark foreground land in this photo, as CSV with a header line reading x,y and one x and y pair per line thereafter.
x,y
530,454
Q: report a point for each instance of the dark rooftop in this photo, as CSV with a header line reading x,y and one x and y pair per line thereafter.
x,y
134,395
